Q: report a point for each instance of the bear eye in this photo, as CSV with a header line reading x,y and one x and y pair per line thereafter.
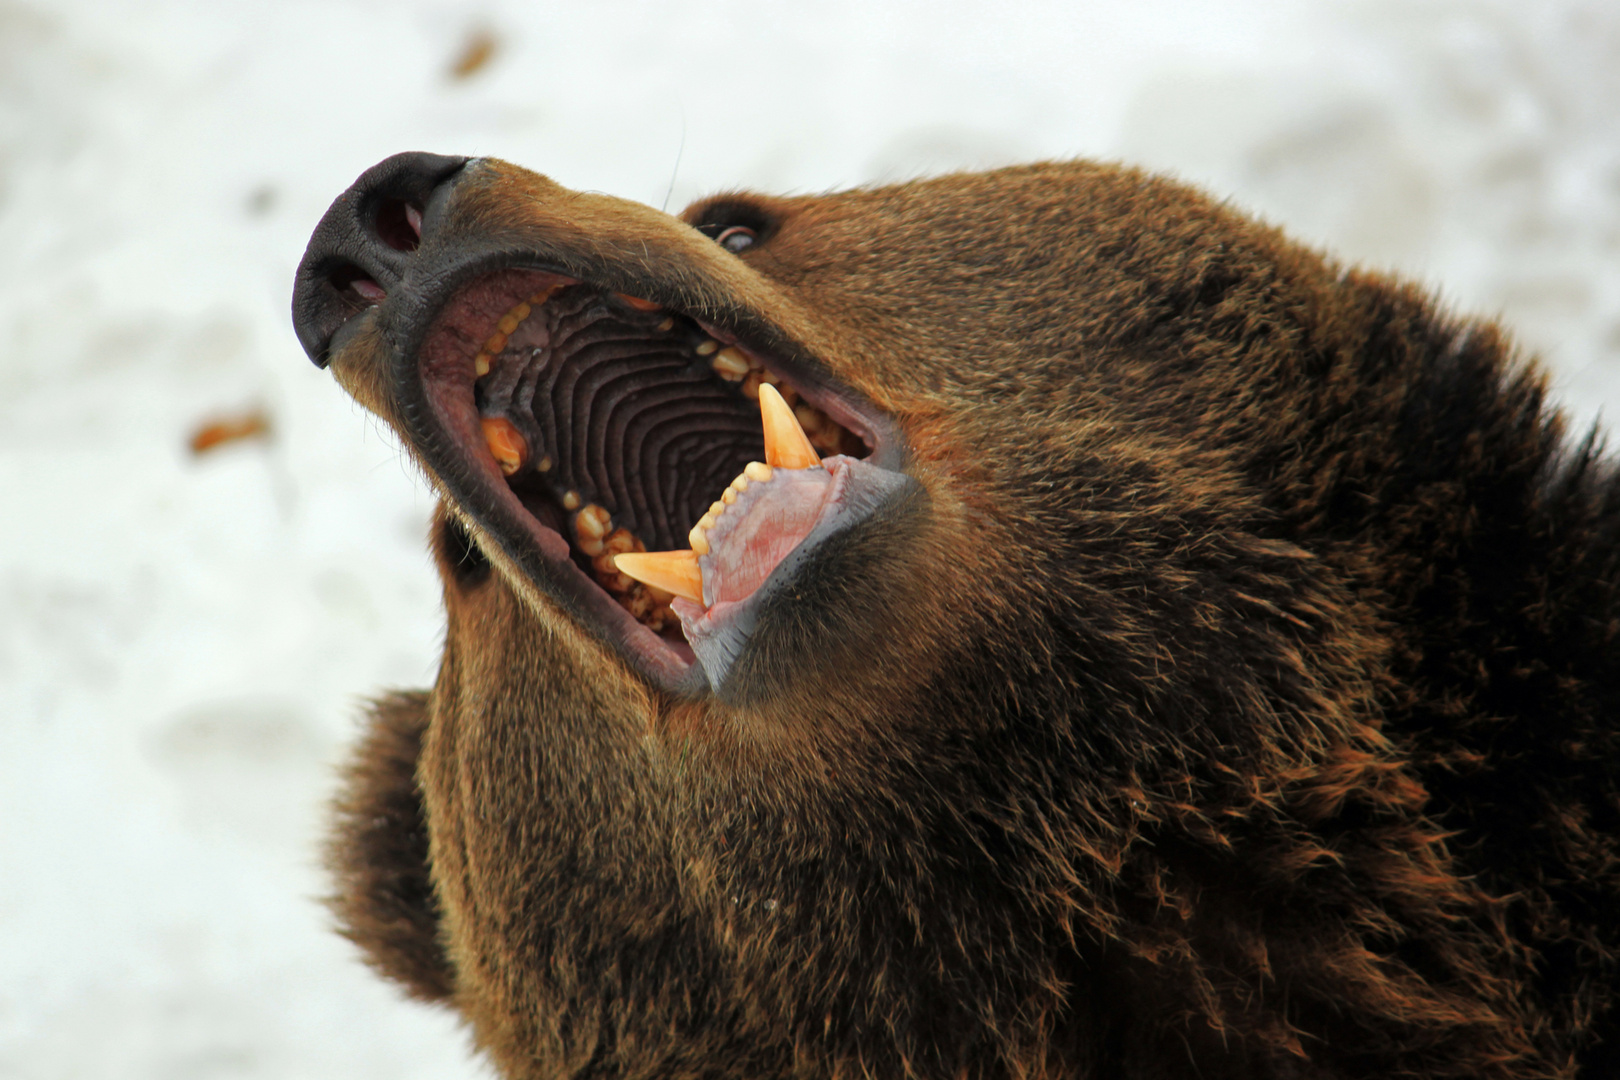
x,y
737,239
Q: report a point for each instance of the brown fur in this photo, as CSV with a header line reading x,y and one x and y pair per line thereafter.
x,y
1237,702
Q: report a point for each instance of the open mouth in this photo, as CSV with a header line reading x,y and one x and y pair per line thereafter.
x,y
662,476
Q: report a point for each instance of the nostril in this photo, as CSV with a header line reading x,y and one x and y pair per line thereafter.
x,y
350,281
399,224
366,244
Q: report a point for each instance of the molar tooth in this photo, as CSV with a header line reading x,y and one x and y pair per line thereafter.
x,y
592,546
505,442
544,464
740,484
592,522
495,343
698,539
481,364
717,508
667,325
706,522
620,541
570,500
757,470
508,323
670,571
728,496
786,445
728,363
809,417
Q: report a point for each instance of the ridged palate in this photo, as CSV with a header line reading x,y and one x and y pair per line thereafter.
x,y
630,417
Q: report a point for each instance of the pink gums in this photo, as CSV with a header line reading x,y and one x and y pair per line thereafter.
x,y
768,520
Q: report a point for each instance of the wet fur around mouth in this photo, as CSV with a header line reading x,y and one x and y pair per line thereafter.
x,y
1231,691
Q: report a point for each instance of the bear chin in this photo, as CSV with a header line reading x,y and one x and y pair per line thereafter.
x,y
1195,657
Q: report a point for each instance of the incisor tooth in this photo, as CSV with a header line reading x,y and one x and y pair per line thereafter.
x,y
786,445
673,571
505,442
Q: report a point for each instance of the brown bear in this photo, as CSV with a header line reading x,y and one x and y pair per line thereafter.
x,y
1025,625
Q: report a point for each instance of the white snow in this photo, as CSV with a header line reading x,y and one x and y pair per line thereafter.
x,y
184,641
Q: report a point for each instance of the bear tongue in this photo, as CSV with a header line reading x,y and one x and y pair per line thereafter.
x,y
767,521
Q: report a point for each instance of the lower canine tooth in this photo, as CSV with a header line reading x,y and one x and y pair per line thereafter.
x,y
786,444
673,571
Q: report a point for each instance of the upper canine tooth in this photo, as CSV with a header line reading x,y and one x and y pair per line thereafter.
x,y
672,571
640,303
506,443
786,445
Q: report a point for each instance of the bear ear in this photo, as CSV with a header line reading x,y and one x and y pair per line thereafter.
x,y
377,853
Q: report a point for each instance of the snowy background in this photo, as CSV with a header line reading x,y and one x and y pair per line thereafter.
x,y
184,639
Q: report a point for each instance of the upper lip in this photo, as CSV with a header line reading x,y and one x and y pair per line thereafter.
x,y
404,321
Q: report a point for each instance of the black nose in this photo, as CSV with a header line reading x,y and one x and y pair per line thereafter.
x,y
364,244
